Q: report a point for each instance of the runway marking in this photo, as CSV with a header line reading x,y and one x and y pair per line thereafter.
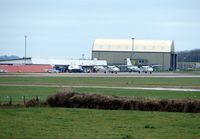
x,y
108,87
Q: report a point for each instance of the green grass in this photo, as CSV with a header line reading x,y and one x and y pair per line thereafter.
x,y
151,94
88,123
17,93
105,81
85,124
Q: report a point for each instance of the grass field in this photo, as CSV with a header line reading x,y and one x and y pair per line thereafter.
x,y
89,123
105,81
84,124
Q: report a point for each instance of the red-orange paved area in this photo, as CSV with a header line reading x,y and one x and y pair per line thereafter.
x,y
25,68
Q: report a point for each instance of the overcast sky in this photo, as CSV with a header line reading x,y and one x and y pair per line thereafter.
x,y
68,28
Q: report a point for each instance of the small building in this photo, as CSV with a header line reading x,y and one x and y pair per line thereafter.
x,y
141,52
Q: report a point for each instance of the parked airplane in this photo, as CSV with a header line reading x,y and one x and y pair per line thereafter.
x,y
99,69
133,68
146,69
113,69
75,68
106,69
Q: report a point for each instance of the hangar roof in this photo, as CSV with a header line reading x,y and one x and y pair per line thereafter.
x,y
136,45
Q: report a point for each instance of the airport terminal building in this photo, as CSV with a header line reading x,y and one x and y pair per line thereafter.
x,y
141,52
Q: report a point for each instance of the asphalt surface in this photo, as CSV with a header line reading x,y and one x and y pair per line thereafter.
x,y
120,74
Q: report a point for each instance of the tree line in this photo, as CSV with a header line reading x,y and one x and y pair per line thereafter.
x,y
189,56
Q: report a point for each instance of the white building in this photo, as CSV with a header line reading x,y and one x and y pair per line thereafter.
x,y
47,61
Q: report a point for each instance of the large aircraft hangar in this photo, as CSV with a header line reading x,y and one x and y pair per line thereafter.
x,y
141,52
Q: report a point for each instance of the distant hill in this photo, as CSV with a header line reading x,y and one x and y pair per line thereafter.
x,y
189,56
5,57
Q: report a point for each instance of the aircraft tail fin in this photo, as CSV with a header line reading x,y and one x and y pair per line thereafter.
x,y
128,62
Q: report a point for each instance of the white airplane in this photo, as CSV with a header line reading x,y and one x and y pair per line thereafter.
x,y
113,69
99,68
74,68
144,69
110,69
132,68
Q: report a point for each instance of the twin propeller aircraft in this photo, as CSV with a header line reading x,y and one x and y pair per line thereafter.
x,y
109,69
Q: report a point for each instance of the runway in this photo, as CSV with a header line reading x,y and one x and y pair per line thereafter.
x,y
120,74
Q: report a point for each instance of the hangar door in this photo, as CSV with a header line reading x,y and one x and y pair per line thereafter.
x,y
173,61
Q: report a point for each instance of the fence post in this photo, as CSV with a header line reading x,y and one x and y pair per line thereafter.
x,y
37,100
